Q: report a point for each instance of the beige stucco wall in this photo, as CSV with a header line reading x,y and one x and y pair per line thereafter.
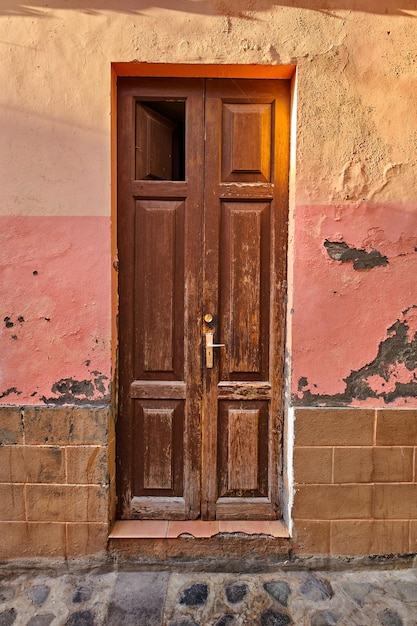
x,y
357,128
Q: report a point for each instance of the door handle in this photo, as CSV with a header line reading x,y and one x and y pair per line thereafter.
x,y
209,349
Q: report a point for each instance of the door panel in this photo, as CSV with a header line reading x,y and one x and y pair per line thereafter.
x,y
244,289
202,249
159,240
158,435
243,469
159,289
245,220
246,142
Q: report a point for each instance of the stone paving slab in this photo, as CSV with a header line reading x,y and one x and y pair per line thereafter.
x,y
137,599
103,597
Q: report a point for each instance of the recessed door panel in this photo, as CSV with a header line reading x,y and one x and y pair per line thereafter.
x,y
244,288
243,468
158,435
159,288
246,149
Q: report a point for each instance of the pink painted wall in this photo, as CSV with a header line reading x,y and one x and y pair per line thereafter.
x,y
355,304
353,183
55,309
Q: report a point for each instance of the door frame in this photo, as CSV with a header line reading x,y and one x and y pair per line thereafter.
x,y
144,70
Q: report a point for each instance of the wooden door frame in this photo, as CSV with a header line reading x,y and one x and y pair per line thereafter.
x,y
171,71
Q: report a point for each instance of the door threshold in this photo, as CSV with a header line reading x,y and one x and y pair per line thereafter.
x,y
162,529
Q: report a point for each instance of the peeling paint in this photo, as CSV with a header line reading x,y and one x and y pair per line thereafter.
x,y
9,391
361,258
70,391
391,375
341,315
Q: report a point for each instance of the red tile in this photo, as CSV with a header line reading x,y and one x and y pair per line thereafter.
x,y
196,528
278,529
247,527
139,529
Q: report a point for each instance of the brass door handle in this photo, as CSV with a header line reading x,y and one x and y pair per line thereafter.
x,y
209,349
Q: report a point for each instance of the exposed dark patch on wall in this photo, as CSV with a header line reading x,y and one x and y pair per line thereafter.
x,y
362,260
9,391
70,391
302,382
398,349
9,323
99,381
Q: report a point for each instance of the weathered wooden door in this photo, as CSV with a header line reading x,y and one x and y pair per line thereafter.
x,y
202,231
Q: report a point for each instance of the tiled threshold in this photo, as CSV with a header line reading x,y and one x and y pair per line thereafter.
x,y
160,529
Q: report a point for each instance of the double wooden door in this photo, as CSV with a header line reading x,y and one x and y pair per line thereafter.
x,y
202,232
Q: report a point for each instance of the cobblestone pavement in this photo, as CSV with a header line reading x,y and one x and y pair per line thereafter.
x,y
131,598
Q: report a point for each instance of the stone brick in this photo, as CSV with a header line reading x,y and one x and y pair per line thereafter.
x,y
112,478
396,427
66,425
85,539
369,465
12,464
313,465
87,465
413,536
11,428
359,537
321,502
396,501
353,465
111,451
334,427
60,503
12,504
392,464
44,464
26,540
46,425
31,464
311,537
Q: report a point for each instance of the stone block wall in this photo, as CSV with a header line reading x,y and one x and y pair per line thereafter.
x,y
355,481
54,481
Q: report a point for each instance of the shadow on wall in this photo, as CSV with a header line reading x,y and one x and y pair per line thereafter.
x,y
231,8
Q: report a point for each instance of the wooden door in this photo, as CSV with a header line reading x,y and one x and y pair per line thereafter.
x,y
202,231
